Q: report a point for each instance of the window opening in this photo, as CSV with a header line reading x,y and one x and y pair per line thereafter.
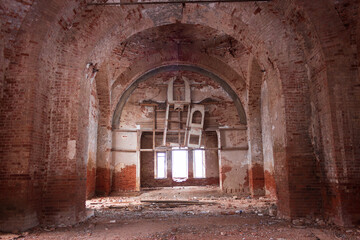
x,y
179,164
199,163
160,165
197,117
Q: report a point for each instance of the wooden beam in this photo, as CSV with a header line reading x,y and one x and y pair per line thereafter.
x,y
181,130
189,149
154,126
150,2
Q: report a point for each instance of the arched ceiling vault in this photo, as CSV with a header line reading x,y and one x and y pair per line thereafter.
x,y
304,46
285,36
179,42
263,28
182,45
265,35
178,67
282,35
91,33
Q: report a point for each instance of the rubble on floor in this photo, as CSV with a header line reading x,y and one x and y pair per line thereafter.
x,y
189,201
189,213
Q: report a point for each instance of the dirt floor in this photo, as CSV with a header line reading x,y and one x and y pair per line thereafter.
x,y
187,213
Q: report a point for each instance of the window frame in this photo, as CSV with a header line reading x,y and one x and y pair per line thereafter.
x,y
203,164
174,149
156,165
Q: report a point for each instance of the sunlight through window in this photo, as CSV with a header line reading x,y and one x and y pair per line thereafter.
x,y
179,164
199,164
160,165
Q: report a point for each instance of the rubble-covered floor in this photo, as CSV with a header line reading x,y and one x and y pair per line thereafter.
x,y
188,213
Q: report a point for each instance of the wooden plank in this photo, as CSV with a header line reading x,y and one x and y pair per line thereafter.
x,y
123,150
172,2
234,148
189,149
218,133
233,129
179,136
138,146
162,130
166,123
182,202
154,126
148,104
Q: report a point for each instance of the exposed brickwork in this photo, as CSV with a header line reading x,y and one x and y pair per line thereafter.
x,y
270,184
255,154
234,164
92,140
104,139
125,180
147,175
90,182
256,179
308,50
103,181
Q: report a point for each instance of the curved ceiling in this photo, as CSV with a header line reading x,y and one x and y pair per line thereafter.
x,y
219,107
178,43
286,37
178,46
121,103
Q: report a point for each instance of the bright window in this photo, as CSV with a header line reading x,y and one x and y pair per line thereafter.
x,y
160,165
179,163
199,163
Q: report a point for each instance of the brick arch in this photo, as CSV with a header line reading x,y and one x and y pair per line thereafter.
x,y
72,53
191,57
276,74
30,109
270,43
333,87
153,72
305,66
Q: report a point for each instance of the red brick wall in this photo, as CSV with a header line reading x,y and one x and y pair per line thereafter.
x,y
125,180
92,141
147,175
308,49
104,136
254,129
90,182
103,181
23,121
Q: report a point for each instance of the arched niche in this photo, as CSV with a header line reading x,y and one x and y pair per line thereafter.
x,y
120,105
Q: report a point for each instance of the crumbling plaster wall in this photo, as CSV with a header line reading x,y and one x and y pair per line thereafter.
x,y
126,174
254,128
43,107
221,113
269,172
92,142
234,163
104,137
